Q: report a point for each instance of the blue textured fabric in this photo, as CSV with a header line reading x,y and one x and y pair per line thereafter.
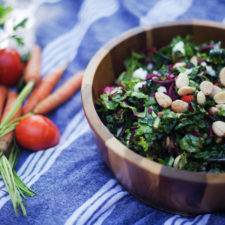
x,y
73,184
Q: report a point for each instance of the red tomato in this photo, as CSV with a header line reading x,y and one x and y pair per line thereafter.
x,y
187,98
37,132
11,67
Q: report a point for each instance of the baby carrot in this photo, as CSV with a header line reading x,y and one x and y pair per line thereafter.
x,y
32,69
3,94
43,89
61,95
6,140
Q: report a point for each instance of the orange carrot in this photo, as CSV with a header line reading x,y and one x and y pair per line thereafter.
x,y
33,67
11,98
5,141
61,95
43,89
3,94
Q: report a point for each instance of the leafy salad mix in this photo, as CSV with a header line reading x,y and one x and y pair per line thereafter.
x,y
169,105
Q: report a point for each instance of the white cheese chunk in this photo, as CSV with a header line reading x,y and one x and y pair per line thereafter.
x,y
139,85
161,89
140,73
188,71
149,66
179,47
156,72
209,69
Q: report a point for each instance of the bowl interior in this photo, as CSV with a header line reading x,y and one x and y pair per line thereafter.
x,y
108,63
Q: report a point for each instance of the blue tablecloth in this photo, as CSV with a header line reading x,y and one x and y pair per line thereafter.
x,y
73,184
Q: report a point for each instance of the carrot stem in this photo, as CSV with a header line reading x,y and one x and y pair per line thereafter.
x,y
11,125
7,176
13,157
15,186
6,140
18,103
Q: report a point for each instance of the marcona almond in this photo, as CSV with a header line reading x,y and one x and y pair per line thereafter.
x,y
201,98
206,87
177,65
163,100
186,90
215,90
182,80
220,97
222,76
218,128
179,106
177,162
194,60
213,110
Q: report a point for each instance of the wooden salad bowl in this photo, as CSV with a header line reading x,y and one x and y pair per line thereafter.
x,y
165,188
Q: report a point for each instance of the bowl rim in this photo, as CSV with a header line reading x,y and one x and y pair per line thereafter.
x,y
113,142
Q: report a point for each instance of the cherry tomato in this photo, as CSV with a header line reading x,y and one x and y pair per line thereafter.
x,y
37,132
187,98
11,67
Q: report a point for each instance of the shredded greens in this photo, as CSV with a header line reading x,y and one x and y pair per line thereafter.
x,y
186,140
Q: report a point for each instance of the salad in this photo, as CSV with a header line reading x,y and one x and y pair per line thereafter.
x,y
169,105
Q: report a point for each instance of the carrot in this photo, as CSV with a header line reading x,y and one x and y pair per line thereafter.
x,y
33,67
6,140
11,98
3,94
61,95
43,89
